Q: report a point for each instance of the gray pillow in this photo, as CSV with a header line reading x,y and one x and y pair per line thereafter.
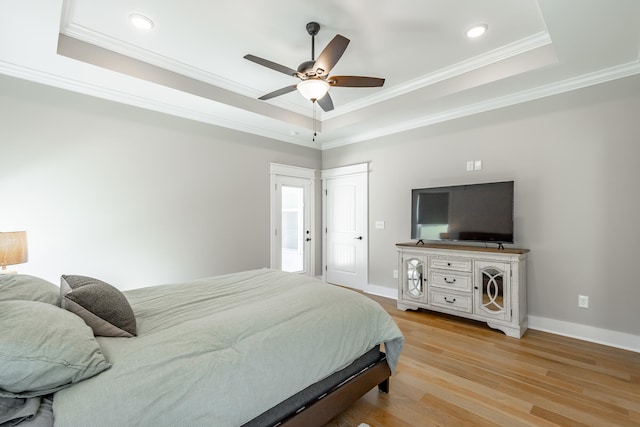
x,y
100,305
44,348
28,288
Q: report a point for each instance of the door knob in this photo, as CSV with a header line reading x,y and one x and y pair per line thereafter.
x,y
308,239
358,238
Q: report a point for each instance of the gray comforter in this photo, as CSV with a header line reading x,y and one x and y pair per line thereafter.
x,y
220,351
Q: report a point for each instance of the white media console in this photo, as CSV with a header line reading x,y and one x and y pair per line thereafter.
x,y
486,284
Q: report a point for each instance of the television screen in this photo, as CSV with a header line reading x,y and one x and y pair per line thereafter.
x,y
475,212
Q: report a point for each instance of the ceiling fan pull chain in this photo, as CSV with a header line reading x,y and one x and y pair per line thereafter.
x,y
314,122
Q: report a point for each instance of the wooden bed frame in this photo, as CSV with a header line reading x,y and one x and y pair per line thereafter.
x,y
325,408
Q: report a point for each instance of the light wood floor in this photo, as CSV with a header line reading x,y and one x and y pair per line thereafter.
x,y
456,372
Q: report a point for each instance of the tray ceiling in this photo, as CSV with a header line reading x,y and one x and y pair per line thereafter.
x,y
190,64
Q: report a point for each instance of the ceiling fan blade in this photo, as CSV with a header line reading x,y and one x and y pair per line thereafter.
x,y
272,65
326,103
355,81
278,92
331,54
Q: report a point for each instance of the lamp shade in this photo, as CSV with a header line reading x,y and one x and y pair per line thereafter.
x,y
13,248
313,89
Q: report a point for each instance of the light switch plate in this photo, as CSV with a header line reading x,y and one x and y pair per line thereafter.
x,y
477,165
379,225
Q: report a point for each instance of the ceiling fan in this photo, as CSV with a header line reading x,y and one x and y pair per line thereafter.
x,y
314,74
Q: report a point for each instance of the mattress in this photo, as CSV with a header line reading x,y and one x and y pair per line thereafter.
x,y
223,350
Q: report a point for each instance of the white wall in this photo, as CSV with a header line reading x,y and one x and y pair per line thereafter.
x,y
130,196
574,159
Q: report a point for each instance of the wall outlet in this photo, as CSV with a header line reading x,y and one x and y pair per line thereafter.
x,y
395,274
583,301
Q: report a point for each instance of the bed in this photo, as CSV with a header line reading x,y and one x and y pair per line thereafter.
x,y
256,348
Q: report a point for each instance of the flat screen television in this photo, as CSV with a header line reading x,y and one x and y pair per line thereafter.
x,y
466,213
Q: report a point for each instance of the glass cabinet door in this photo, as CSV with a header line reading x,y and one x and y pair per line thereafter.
x,y
492,287
414,283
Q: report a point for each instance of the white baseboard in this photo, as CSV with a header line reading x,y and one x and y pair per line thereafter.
x,y
382,291
586,333
574,330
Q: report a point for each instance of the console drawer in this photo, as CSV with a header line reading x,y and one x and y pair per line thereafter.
x,y
449,280
457,264
452,301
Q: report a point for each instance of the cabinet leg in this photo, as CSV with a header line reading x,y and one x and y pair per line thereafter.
x,y
510,331
405,307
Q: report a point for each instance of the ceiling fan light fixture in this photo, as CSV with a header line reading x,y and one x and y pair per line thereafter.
x,y
141,21
477,31
313,89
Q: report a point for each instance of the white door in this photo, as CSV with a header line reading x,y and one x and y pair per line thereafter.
x,y
292,220
346,225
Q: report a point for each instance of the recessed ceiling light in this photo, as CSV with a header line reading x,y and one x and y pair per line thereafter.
x,y
141,21
477,31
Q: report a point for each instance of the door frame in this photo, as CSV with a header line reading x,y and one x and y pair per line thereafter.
x,y
279,170
340,172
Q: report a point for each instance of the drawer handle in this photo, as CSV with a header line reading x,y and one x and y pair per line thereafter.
x,y
451,282
449,301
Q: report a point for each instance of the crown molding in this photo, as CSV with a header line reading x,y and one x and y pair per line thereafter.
x,y
510,50
95,38
502,53
106,42
581,81
574,83
50,79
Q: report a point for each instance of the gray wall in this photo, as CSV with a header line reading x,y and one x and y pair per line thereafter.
x,y
137,197
131,196
574,158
